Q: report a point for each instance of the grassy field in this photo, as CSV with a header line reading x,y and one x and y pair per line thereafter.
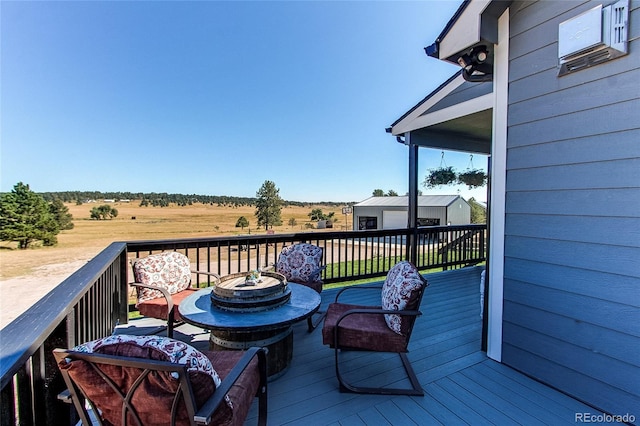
x,y
89,237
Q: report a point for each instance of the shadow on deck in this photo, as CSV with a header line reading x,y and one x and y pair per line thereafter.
x,y
462,385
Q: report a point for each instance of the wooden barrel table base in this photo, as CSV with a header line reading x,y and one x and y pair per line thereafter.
x,y
279,342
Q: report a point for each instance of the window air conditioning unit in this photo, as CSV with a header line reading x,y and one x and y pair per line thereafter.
x,y
593,37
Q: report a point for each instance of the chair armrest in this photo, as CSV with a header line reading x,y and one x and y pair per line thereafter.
x,y
210,274
358,287
377,311
315,275
204,414
164,291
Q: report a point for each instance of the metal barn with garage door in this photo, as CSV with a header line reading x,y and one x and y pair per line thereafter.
x,y
392,212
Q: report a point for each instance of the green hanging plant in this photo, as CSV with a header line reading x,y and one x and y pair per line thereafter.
x,y
473,178
439,177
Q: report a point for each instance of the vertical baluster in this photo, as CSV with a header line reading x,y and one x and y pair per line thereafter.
x,y
25,395
208,256
8,409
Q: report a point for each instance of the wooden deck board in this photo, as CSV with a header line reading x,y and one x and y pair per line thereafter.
x,y
512,403
353,420
462,386
372,416
470,394
416,412
563,406
454,404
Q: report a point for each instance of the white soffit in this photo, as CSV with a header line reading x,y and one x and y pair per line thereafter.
x,y
465,32
405,125
419,118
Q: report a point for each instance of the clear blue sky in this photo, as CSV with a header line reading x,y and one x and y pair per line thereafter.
x,y
216,97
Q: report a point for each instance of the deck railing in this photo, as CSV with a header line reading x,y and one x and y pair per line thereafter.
x,y
93,300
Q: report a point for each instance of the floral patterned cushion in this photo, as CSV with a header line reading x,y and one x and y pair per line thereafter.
x,y
300,263
169,270
401,290
154,347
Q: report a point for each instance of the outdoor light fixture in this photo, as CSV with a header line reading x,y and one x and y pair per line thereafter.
x,y
475,67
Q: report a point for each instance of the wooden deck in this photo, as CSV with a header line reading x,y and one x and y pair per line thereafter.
x,y
462,386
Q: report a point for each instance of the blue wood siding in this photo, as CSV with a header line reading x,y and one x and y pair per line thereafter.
x,y
572,232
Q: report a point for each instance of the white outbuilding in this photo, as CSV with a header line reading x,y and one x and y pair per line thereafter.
x,y
392,212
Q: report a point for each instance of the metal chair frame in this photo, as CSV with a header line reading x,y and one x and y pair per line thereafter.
x,y
171,306
416,388
201,416
320,315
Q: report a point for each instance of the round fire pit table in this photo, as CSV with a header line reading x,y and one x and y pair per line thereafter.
x,y
241,329
236,293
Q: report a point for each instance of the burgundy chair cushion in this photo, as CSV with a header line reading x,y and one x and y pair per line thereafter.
x,y
157,308
170,270
401,290
154,396
361,331
301,264
244,390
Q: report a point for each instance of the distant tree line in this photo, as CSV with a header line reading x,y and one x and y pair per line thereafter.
x,y
163,199
380,193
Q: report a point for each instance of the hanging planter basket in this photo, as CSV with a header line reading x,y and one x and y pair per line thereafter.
x,y
473,178
439,177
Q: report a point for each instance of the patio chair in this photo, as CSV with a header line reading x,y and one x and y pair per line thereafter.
x,y
152,380
302,264
384,328
162,281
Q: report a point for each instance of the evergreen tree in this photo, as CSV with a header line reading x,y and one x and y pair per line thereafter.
x,y
25,217
317,214
268,205
61,214
478,211
103,212
242,222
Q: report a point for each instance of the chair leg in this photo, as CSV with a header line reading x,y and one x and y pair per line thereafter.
x,y
171,326
415,390
170,319
311,324
262,390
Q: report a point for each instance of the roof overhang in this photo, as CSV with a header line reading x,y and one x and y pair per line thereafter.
x,y
475,23
464,30
456,116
